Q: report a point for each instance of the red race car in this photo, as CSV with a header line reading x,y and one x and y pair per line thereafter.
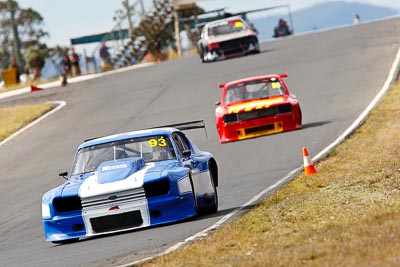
x,y
256,106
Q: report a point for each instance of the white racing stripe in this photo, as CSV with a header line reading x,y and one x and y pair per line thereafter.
x,y
90,187
392,75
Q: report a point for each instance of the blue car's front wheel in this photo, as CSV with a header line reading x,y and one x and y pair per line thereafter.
x,y
196,208
212,203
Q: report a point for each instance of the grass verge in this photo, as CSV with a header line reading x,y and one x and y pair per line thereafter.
x,y
14,118
347,214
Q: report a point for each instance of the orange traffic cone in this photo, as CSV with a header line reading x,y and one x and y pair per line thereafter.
x,y
309,168
35,88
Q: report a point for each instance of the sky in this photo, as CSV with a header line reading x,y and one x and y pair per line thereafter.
x,y
74,18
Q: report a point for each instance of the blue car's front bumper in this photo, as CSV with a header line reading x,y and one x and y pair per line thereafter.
x,y
160,210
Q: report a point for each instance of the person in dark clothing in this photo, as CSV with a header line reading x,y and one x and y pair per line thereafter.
x,y
105,57
282,29
65,70
104,54
74,59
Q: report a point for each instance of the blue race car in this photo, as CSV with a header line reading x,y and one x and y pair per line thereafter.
x,y
129,181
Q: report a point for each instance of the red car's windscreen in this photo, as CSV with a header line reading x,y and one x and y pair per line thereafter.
x,y
259,89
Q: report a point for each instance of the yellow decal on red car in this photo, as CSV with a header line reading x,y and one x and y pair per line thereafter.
x,y
251,132
257,104
276,85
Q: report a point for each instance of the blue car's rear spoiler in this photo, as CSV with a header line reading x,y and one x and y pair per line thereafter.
x,y
186,125
180,126
190,125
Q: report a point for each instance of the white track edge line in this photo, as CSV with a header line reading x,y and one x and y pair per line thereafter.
x,y
363,116
320,155
60,104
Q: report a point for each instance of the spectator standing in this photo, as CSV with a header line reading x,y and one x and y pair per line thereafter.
x,y
24,77
356,19
282,29
74,59
105,56
65,70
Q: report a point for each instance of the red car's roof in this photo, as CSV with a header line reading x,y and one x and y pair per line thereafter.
x,y
269,76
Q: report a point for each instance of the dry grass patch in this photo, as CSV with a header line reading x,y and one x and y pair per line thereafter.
x,y
347,214
14,118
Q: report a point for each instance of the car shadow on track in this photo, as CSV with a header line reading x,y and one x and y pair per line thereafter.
x,y
242,56
315,124
219,213
262,51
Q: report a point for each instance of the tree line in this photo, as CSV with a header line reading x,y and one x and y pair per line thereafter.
x,y
32,35
29,24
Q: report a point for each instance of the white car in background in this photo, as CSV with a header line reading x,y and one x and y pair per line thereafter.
x,y
225,38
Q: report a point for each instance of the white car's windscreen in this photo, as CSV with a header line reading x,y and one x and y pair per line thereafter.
x,y
226,28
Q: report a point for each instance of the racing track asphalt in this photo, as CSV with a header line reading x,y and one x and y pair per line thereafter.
x,y
335,75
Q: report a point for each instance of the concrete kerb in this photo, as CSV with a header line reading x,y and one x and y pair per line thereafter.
x,y
73,80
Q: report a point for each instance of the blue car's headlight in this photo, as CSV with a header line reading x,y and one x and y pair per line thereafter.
x,y
46,211
184,185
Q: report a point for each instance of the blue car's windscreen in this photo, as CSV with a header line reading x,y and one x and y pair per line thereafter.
x,y
151,148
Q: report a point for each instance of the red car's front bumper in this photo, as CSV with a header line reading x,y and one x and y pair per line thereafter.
x,y
240,130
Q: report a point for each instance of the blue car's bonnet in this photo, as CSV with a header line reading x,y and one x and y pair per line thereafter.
x,y
111,171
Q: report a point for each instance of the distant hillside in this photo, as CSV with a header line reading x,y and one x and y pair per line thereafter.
x,y
321,16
